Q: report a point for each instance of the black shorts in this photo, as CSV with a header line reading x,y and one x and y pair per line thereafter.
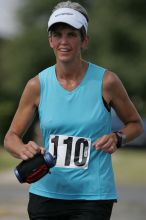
x,y
42,208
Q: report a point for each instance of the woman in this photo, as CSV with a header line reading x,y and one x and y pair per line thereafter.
x,y
74,98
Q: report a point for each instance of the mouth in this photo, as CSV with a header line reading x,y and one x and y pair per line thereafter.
x,y
64,50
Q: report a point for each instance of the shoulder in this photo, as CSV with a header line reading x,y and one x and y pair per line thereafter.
x,y
111,79
112,83
46,72
113,87
32,90
98,69
33,83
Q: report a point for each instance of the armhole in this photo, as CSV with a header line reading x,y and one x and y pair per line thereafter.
x,y
106,105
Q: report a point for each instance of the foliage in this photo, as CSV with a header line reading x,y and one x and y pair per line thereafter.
x,y
117,41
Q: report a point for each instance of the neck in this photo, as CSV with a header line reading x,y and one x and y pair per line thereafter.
x,y
71,71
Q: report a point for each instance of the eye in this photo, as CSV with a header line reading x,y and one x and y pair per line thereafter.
x,y
56,34
72,34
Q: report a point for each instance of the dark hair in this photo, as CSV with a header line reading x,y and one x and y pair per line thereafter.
x,y
82,30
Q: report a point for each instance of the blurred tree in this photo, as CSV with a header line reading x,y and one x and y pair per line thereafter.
x,y
117,30
117,41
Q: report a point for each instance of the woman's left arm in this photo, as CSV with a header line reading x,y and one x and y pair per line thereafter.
x,y
116,96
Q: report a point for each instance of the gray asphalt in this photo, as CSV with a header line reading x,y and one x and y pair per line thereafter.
x,y
14,196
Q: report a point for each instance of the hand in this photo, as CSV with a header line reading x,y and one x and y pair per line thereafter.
x,y
29,150
107,143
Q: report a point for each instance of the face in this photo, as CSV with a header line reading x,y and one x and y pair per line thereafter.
x,y
66,43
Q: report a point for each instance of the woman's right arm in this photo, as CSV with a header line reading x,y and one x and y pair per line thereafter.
x,y
21,122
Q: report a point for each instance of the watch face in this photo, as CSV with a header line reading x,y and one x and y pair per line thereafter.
x,y
122,136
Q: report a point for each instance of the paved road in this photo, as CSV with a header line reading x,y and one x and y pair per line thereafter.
x,y
13,200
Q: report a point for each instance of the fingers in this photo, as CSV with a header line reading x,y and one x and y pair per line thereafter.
x,y
30,149
106,143
42,150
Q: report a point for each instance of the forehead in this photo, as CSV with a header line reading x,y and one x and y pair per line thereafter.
x,y
60,26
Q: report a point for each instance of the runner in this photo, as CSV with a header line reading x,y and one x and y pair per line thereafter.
x,y
74,98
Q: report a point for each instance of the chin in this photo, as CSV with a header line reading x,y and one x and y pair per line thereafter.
x,y
65,60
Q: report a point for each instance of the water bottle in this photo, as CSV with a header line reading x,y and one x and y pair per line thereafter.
x,y
29,171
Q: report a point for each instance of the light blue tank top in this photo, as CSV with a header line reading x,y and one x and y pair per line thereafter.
x,y
70,122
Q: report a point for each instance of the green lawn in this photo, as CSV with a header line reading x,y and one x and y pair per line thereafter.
x,y
129,165
7,161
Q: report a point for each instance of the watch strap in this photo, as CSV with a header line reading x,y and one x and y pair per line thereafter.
x,y
120,138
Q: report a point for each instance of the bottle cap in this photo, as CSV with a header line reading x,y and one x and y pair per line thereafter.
x,y
49,159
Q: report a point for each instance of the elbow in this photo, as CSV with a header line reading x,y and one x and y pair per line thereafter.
x,y
140,127
6,142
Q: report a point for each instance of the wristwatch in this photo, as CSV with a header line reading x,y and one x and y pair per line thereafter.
x,y
121,137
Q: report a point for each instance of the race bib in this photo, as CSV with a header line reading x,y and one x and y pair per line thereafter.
x,y
70,151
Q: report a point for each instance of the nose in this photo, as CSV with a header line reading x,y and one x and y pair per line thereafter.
x,y
64,39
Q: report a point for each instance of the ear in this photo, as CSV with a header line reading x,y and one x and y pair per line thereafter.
x,y
50,41
85,42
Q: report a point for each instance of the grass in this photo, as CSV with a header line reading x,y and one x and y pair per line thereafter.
x,y
7,162
129,165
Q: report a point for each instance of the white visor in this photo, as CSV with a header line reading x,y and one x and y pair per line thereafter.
x,y
68,16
